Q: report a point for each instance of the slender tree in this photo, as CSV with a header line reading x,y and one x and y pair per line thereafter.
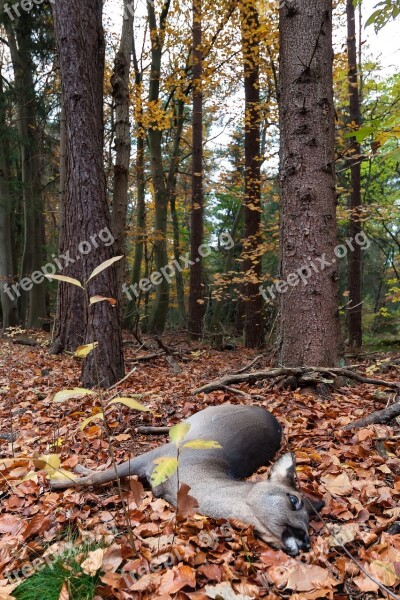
x,y
354,312
8,298
120,91
131,313
252,178
80,42
19,34
196,294
309,323
159,311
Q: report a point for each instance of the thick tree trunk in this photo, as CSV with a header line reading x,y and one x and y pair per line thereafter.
x,y
196,294
354,313
80,41
254,334
33,300
309,322
120,90
159,311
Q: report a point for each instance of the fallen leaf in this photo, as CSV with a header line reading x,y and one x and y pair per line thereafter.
x,y
93,562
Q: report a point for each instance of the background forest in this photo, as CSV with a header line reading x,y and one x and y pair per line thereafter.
x,y
178,113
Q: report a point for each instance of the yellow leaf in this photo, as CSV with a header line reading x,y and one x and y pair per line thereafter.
x,y
130,403
202,444
95,299
75,393
166,467
104,265
98,415
50,463
83,351
63,475
64,278
178,432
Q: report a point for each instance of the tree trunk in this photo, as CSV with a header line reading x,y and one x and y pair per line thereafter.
x,y
120,91
159,311
254,334
33,300
9,306
309,322
354,312
80,42
196,294
171,184
215,324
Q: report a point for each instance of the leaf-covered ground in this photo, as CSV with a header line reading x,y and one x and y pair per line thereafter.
x,y
357,474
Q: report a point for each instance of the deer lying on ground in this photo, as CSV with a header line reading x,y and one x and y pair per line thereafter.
x,y
249,436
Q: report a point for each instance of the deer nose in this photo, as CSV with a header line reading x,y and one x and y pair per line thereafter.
x,y
306,543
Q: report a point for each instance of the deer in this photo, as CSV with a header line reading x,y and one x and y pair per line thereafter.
x,y
248,438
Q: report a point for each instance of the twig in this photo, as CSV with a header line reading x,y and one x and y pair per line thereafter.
x,y
123,379
247,367
388,439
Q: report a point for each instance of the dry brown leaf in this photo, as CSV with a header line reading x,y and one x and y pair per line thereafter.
x,y
224,590
305,578
187,505
177,578
112,558
385,572
137,490
64,593
93,562
339,485
343,534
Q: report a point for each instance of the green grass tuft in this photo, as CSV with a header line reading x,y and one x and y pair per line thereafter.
x,y
46,584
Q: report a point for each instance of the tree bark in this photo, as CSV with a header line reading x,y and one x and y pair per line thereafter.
x,y
309,322
252,180
33,301
354,311
159,311
196,294
8,299
120,91
171,185
80,42
132,307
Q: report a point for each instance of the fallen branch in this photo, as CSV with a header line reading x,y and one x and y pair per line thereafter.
x,y
378,417
153,430
227,380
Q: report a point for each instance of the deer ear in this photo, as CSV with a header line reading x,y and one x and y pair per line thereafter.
x,y
283,471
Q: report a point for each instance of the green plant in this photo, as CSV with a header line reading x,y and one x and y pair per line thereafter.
x,y
47,583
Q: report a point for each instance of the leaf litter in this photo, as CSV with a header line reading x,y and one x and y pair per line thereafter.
x,y
194,557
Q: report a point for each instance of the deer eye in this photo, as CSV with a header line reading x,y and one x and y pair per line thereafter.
x,y
296,503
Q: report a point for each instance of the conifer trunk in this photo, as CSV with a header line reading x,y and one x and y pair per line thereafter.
x,y
354,312
309,323
196,294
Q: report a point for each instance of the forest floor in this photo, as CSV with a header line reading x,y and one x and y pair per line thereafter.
x,y
357,474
